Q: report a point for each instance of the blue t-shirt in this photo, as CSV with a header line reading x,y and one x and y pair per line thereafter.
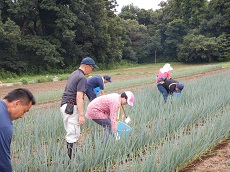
x,y
6,132
95,81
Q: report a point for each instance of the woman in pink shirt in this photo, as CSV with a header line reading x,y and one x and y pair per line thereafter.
x,y
164,72
104,109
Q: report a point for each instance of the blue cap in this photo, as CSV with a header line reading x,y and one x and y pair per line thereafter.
x,y
89,61
108,78
180,87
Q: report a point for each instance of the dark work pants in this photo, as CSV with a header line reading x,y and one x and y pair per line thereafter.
x,y
163,91
106,124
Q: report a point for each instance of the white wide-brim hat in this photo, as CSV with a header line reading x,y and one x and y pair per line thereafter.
x,y
167,67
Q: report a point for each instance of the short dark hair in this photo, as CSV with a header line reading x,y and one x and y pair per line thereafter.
x,y
21,94
123,95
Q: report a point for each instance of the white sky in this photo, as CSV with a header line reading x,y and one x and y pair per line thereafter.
x,y
146,4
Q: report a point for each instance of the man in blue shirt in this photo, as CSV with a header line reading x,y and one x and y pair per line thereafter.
x,y
14,105
96,82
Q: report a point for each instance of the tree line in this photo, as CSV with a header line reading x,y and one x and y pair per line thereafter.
x,y
38,36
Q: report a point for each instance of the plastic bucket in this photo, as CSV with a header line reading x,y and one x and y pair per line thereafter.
x,y
176,94
97,91
123,129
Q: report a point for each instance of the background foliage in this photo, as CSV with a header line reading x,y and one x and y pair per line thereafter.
x,y
38,36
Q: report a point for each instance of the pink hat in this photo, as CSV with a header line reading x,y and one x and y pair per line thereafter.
x,y
130,97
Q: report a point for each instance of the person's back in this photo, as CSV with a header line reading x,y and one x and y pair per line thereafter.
x,y
95,81
164,72
96,85
105,103
170,85
173,86
73,85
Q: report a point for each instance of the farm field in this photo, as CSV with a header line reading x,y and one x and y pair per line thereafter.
x,y
216,160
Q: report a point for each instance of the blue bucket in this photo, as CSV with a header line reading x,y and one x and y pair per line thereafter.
x,y
176,94
97,91
123,129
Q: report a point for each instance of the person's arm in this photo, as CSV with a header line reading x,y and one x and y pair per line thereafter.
x,y
102,87
80,107
169,75
5,140
102,92
113,116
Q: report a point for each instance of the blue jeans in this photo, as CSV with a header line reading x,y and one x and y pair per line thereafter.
x,y
106,124
163,91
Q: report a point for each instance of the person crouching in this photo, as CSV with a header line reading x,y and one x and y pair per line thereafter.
x,y
104,110
169,87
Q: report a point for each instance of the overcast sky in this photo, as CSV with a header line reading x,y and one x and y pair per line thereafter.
x,y
146,4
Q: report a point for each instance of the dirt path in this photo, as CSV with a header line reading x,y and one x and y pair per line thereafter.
x,y
216,161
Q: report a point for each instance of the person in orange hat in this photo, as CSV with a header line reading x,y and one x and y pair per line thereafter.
x,y
104,109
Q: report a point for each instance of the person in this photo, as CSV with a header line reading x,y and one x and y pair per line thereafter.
x,y
164,72
169,87
104,110
13,106
72,103
96,84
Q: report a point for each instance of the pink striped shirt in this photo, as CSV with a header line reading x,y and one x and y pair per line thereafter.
x,y
103,107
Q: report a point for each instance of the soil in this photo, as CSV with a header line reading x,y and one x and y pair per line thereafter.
x,y
217,160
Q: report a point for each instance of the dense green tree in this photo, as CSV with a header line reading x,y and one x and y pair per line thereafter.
x,y
115,42
191,11
42,31
137,45
10,38
217,21
60,33
45,35
97,31
175,31
144,17
198,48
159,24
4,7
129,12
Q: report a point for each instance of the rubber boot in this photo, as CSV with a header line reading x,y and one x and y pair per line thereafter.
x,y
69,149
